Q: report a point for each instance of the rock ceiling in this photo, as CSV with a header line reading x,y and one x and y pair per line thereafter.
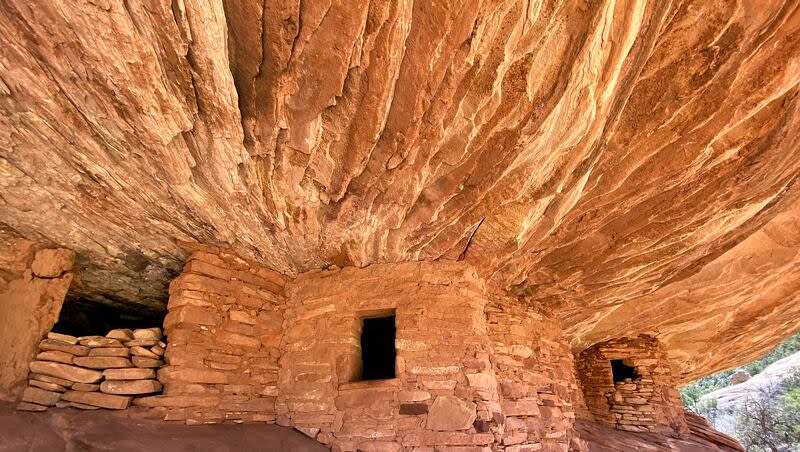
x,y
630,164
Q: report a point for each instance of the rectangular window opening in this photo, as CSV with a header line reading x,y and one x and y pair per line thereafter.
x,y
622,371
377,348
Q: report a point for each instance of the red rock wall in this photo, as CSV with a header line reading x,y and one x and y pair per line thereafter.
x,y
536,373
444,393
647,403
33,284
223,329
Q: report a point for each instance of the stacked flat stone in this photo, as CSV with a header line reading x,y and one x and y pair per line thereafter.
x,y
93,372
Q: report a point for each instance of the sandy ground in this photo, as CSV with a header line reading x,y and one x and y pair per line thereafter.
x,y
73,430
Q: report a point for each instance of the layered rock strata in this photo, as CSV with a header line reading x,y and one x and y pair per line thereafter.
x,y
605,158
92,372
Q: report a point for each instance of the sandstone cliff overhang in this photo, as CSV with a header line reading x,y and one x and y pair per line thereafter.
x,y
632,166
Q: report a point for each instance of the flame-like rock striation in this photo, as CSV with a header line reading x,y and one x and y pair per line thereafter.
x,y
632,165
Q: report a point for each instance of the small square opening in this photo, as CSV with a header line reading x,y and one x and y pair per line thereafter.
x,y
621,371
377,348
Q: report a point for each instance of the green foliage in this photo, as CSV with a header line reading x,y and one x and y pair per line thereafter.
x,y
770,420
691,393
788,347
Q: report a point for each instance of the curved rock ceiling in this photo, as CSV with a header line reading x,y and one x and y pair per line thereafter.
x,y
632,165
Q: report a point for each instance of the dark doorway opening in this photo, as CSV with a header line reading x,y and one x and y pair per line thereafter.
x,y
377,348
82,317
622,371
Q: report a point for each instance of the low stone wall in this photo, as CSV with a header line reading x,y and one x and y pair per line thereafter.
x,y
536,374
224,330
92,372
647,402
33,283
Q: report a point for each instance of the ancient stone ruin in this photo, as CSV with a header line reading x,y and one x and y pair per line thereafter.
x,y
383,225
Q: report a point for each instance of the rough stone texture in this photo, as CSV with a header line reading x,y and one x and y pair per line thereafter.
x,y
440,340
29,305
607,158
536,376
230,364
647,403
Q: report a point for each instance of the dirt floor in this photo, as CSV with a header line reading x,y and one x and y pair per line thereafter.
x,y
73,430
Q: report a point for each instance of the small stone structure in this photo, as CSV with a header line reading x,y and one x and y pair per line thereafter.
x,y
627,384
92,372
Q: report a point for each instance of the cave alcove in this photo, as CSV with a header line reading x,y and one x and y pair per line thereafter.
x,y
83,317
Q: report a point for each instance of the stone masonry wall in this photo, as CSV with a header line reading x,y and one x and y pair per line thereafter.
x,y
223,330
33,283
474,369
536,373
646,403
444,393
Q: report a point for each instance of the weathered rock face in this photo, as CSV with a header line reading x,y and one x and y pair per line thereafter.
x,y
632,165
33,284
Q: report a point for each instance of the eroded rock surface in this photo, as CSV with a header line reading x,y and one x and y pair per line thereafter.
x,y
632,165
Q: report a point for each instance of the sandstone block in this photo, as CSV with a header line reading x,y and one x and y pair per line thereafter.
x,y
99,341
62,337
521,408
51,263
450,413
132,373
123,334
141,343
47,378
238,340
158,350
178,401
147,333
56,356
102,362
40,396
98,399
130,387
47,386
191,375
123,352
66,371
55,345
83,406
27,406
413,409
85,387
149,363
189,314
143,352
242,317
